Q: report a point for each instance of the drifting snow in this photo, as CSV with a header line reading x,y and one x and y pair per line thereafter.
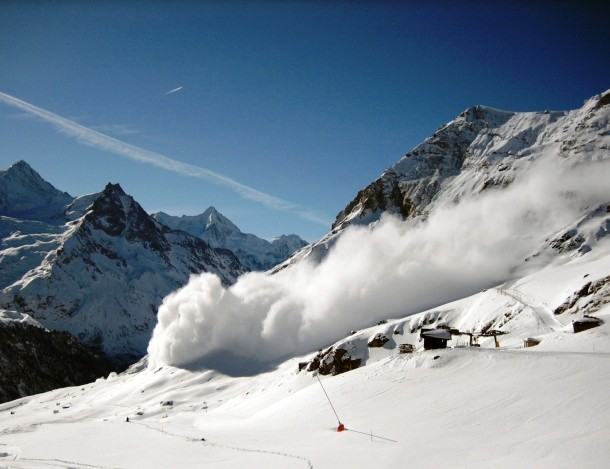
x,y
543,407
394,269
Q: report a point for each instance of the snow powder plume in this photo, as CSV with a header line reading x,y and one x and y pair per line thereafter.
x,y
390,270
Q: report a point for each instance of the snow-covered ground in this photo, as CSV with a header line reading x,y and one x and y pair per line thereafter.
x,y
544,406
524,220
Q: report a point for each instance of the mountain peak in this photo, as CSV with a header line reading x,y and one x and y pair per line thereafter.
x,y
24,194
21,165
218,231
214,217
115,189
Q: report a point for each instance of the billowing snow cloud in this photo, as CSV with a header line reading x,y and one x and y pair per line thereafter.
x,y
391,270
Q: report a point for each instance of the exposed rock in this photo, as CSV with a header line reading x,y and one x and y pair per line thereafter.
x,y
588,299
333,361
35,360
378,341
406,348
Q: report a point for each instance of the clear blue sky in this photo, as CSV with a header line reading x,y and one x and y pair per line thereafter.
x,y
294,105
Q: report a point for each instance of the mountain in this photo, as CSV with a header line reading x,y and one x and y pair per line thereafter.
x,y
508,406
491,238
97,266
480,150
490,197
218,231
25,195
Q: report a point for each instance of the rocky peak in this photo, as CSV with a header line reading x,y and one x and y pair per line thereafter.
x,y
220,232
24,194
219,226
118,214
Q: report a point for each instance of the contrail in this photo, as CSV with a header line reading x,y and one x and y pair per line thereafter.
x,y
174,90
99,140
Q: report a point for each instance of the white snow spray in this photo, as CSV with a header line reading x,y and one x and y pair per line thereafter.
x,y
393,269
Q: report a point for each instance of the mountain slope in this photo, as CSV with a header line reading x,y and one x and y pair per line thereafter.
x,y
218,231
502,249
99,266
483,406
481,150
493,216
34,359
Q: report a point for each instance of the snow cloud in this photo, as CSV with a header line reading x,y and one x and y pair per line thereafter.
x,y
391,270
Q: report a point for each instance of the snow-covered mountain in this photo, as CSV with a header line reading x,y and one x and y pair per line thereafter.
x,y
218,231
544,406
480,150
492,235
97,266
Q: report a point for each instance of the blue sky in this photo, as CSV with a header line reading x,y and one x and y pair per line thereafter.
x,y
286,109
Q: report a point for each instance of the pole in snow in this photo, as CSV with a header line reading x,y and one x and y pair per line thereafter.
x,y
341,427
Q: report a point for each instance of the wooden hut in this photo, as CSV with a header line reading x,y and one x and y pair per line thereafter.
x,y
530,342
435,338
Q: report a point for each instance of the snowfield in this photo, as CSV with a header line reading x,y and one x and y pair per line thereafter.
x,y
544,406
506,243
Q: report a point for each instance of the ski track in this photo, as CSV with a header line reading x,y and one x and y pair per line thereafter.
x,y
220,445
58,463
542,311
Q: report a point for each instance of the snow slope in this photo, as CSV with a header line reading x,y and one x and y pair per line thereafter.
x,y
506,234
544,406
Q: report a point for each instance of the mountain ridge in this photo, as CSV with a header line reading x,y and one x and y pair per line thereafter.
x,y
103,277
525,229
481,149
218,231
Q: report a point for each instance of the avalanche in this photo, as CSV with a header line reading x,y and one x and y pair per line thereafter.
x,y
544,406
505,241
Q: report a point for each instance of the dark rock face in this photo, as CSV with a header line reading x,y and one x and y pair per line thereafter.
x,y
333,361
588,299
410,185
34,360
117,214
378,341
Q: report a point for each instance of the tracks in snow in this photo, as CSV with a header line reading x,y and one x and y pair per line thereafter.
x,y
543,312
230,447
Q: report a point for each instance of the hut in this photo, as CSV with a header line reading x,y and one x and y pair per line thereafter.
x,y
435,338
530,342
586,322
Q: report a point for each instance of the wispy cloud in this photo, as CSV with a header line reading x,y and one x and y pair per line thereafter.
x,y
174,90
116,129
93,138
